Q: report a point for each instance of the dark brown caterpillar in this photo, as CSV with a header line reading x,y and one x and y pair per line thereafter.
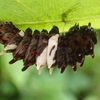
x,y
48,48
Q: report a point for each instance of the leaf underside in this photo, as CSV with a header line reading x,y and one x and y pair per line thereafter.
x,y
39,14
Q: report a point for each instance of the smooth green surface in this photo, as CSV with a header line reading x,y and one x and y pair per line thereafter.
x,y
45,13
39,14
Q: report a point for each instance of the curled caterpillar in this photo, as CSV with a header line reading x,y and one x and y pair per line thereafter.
x,y
51,48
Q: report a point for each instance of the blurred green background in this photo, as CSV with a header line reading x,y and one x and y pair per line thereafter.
x,y
39,14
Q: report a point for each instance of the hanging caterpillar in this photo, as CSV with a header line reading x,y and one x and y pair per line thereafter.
x,y
51,48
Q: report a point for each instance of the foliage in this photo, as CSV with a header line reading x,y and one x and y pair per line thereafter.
x,y
39,14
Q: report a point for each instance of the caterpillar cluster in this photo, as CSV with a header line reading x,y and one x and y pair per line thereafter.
x,y
52,49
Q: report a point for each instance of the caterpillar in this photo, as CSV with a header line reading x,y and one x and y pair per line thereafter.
x,y
51,49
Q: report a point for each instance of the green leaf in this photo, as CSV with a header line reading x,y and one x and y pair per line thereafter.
x,y
45,13
39,14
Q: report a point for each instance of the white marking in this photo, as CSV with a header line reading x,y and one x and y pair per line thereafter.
x,y
79,54
91,48
10,47
72,66
42,59
51,70
21,33
89,27
53,41
40,70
